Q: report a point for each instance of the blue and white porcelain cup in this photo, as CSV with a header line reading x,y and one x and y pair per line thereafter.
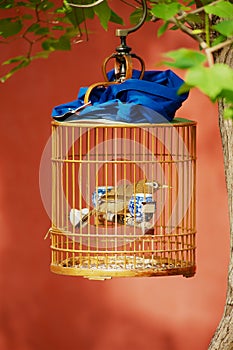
x,y
98,193
77,215
137,206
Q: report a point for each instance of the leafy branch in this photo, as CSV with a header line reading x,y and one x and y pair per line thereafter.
x,y
209,23
40,21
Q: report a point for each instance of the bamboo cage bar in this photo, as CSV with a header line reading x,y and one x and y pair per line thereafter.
x,y
99,173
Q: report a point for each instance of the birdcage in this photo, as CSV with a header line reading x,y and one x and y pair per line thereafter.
x,y
123,199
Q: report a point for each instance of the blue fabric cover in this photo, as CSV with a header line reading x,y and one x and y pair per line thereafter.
x,y
149,100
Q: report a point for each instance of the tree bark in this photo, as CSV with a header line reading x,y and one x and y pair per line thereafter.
x,y
223,337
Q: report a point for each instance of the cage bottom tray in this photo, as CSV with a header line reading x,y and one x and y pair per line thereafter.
x,y
106,267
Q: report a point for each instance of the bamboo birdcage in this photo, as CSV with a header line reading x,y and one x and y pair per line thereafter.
x,y
95,235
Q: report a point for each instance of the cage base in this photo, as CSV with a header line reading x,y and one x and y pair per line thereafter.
x,y
151,268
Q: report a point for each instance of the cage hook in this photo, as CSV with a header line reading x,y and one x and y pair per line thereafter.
x,y
123,56
123,59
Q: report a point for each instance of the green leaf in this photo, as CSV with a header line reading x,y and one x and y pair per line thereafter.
x,y
22,3
41,54
103,11
37,29
63,43
184,58
7,4
162,29
166,11
218,40
194,18
23,64
14,60
64,9
33,27
66,5
42,31
51,44
58,27
28,4
71,32
9,27
201,77
227,93
224,28
222,9
114,18
184,88
228,113
215,81
185,8
89,13
136,16
75,17
45,5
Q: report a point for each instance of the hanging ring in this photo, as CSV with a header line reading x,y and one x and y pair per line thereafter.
x,y
125,61
120,60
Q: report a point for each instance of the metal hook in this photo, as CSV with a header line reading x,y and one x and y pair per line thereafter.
x,y
122,56
123,59
125,32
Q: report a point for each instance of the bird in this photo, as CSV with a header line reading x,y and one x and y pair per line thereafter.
x,y
126,191
117,199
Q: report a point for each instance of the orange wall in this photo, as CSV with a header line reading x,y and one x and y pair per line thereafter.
x,y
40,310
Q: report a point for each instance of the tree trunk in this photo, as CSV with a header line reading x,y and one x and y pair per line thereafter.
x,y
223,337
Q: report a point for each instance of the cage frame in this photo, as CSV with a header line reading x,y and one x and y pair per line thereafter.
x,y
180,267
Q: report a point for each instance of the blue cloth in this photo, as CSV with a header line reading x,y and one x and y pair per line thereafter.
x,y
152,99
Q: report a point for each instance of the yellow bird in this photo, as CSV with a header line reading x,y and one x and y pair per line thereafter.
x,y
117,199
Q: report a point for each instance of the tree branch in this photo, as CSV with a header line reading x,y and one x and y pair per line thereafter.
x,y
196,11
189,31
220,46
196,37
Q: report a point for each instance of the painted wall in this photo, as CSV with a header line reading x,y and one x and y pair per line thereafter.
x,y
40,310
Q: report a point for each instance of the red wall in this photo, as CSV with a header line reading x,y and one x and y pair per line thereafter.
x,y
40,310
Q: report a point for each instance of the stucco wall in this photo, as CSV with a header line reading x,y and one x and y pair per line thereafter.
x,y
40,310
